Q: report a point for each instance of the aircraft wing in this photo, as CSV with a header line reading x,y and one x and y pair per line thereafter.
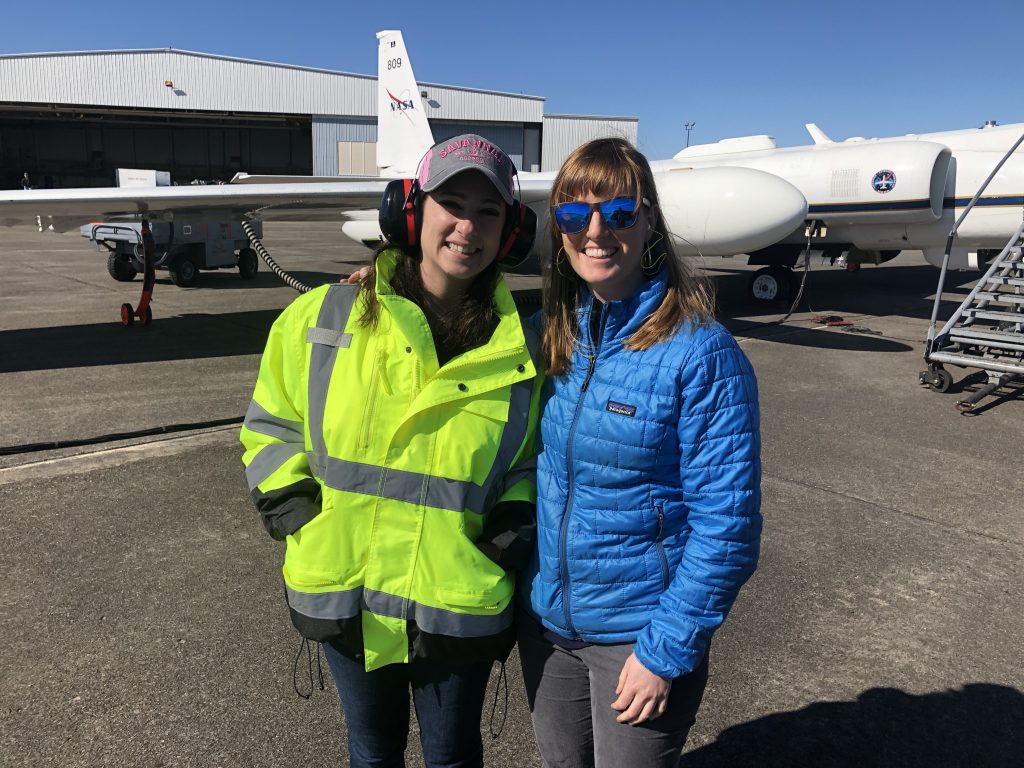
x,y
68,208
535,188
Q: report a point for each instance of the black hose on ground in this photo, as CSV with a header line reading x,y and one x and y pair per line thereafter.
x,y
264,254
803,282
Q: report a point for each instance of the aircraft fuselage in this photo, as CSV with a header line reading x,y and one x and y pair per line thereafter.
x,y
895,193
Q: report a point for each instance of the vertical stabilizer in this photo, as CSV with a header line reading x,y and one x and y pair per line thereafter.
x,y
817,134
403,134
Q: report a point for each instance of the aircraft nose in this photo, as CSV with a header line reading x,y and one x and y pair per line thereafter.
x,y
725,211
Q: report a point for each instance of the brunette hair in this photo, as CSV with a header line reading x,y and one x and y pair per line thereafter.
x,y
613,167
467,326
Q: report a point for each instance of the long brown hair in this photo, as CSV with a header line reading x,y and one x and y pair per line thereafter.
x,y
613,167
467,326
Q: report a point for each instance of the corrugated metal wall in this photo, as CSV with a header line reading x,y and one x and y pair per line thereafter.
x,y
215,83
508,137
563,133
447,103
342,106
328,131
199,82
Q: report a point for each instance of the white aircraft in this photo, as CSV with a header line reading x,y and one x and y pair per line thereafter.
x,y
869,198
876,197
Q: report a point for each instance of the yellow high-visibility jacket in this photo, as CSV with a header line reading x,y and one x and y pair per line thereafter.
x,y
399,486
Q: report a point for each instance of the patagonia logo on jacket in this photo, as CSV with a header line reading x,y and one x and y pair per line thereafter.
x,y
621,408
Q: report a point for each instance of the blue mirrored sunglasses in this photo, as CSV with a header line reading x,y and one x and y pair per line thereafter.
x,y
617,213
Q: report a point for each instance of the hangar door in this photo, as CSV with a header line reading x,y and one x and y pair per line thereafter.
x,y
75,149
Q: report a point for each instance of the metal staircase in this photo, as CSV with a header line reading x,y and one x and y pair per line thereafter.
x,y
987,330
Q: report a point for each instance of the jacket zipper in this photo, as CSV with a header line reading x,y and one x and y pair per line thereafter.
x,y
371,402
447,368
661,546
564,528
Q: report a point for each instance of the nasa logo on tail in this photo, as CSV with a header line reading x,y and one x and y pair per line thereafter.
x,y
883,182
400,105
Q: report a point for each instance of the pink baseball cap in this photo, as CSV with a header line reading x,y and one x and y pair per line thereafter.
x,y
467,152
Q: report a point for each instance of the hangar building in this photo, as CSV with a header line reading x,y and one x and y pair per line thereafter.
x,y
72,119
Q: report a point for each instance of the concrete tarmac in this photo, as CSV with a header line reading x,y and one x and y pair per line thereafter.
x,y
143,621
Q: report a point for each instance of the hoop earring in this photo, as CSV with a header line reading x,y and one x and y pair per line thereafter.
x,y
559,258
649,262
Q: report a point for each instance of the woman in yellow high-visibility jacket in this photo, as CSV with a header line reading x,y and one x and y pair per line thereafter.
x,y
390,443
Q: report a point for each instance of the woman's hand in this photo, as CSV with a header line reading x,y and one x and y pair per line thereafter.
x,y
642,694
356,276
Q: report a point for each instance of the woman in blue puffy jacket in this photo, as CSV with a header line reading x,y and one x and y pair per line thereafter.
x,y
648,477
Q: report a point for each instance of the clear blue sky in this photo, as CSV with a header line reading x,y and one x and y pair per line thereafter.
x,y
734,68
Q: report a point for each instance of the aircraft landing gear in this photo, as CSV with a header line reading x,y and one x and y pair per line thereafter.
x,y
771,283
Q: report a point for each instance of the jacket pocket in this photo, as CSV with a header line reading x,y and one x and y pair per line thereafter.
x,y
320,553
473,582
494,598
373,393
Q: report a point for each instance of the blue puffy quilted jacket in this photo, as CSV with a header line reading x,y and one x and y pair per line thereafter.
x,y
649,488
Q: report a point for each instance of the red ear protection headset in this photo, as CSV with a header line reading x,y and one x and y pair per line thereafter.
x,y
401,216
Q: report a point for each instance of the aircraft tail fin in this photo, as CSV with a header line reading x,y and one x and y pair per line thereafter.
x,y
403,133
817,134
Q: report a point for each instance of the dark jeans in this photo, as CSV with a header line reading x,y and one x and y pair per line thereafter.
x,y
570,694
448,701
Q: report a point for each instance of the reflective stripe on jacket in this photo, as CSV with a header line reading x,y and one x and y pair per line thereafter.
x,y
382,470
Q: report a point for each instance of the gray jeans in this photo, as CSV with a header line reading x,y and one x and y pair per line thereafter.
x,y
570,694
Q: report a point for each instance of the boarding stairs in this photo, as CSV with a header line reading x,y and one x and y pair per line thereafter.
x,y
987,330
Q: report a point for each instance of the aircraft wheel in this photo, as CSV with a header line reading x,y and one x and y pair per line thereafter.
x,y
127,315
766,285
149,316
788,282
120,268
248,263
184,272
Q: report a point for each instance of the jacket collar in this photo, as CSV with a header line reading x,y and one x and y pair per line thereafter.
x,y
507,346
625,316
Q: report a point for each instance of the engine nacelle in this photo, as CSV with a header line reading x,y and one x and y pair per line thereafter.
x,y
727,210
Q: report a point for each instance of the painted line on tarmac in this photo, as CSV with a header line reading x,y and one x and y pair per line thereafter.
x,y
115,457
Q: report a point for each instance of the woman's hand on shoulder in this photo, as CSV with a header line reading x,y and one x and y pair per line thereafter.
x,y
356,276
642,695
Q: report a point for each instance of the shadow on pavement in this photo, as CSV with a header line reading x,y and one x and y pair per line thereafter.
x,y
184,337
907,291
225,280
978,725
859,339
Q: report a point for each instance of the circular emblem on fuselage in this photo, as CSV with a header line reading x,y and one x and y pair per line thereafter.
x,y
883,182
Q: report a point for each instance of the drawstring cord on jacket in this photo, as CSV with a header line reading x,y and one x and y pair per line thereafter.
x,y
501,726
304,643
